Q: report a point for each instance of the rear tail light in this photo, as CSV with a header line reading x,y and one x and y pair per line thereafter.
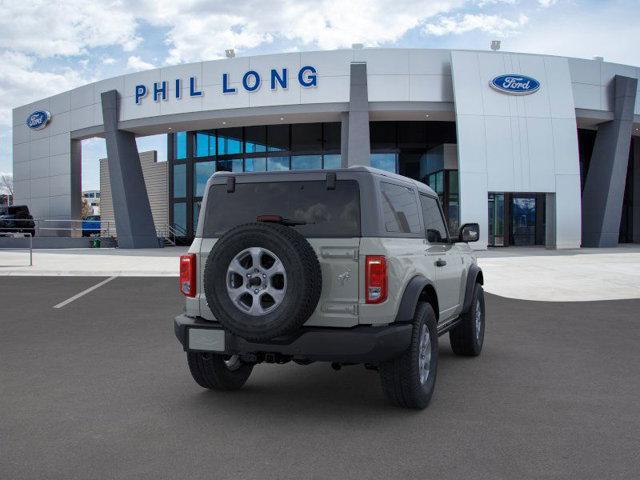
x,y
188,274
376,279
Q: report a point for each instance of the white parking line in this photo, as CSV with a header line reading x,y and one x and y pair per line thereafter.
x,y
83,293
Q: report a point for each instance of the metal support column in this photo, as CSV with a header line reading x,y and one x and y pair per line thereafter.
x,y
604,187
131,208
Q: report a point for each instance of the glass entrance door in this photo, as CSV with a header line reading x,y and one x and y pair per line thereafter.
x,y
523,220
496,220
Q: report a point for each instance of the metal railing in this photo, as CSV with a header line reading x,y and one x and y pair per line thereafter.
x,y
20,235
171,233
45,227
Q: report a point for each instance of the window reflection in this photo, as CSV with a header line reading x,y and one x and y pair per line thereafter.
x,y
205,144
180,215
384,161
180,180
255,164
255,139
201,172
180,146
332,161
306,162
277,163
230,165
229,141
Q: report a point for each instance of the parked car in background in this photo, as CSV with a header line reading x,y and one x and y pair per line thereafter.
x,y
91,225
17,219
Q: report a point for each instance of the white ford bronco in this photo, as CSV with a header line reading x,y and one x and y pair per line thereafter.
x,y
348,266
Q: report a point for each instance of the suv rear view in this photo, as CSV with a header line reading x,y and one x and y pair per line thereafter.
x,y
318,266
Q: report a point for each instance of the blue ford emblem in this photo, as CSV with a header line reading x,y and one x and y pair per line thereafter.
x,y
38,119
515,84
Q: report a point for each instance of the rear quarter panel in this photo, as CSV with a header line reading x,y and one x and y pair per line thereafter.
x,y
405,259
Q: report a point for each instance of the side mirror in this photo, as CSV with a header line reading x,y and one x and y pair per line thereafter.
x,y
469,232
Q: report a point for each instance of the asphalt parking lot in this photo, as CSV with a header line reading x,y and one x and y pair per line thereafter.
x,y
100,389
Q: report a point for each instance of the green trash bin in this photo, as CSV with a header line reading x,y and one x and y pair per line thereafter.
x,y
95,243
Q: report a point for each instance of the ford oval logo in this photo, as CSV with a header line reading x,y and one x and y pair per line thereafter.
x,y
38,119
515,84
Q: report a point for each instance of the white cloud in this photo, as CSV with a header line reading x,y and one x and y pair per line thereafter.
x,y
589,37
71,27
21,83
136,63
484,3
491,24
325,24
108,61
547,3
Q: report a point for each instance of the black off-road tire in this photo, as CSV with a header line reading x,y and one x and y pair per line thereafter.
x,y
466,340
210,371
401,377
303,284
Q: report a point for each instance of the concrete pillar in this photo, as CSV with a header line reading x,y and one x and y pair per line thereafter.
x,y
76,183
636,190
131,208
604,187
550,224
344,139
358,144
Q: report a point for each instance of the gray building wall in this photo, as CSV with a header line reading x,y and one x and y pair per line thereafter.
x,y
156,180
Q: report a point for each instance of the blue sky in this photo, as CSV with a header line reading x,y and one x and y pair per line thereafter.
x,y
48,49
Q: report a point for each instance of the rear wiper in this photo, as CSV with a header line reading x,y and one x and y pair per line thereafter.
x,y
289,222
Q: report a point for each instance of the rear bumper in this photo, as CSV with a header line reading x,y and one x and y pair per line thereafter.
x,y
361,344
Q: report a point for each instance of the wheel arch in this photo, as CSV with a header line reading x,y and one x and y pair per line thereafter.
x,y
418,289
474,276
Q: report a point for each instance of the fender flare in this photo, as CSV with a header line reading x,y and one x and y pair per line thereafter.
x,y
474,276
410,298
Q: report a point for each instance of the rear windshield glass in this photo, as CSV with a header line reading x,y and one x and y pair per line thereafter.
x,y
327,213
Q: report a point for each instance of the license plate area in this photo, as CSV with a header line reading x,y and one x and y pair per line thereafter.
x,y
206,340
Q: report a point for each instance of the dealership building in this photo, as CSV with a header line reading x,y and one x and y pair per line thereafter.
x,y
538,149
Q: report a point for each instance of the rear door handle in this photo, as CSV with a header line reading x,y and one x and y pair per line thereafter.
x,y
440,262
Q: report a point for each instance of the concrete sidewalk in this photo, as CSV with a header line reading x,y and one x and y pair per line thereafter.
x,y
154,262
562,275
522,273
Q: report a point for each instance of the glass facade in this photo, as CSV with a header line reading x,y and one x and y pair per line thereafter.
x,y
399,147
195,156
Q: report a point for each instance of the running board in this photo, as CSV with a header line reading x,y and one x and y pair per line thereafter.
x,y
448,325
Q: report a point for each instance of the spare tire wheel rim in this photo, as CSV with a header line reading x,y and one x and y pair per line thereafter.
x,y
256,281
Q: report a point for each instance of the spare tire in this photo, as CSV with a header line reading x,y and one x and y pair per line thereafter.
x,y
262,280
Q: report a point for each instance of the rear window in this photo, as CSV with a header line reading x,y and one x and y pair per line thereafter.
x,y
328,213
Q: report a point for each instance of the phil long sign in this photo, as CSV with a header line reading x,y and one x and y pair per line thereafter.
x,y
515,84
250,81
